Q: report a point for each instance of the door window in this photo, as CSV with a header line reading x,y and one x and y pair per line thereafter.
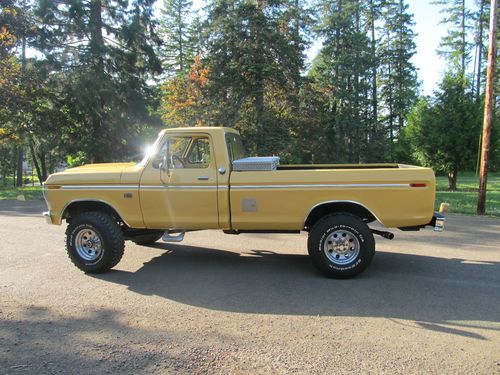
x,y
199,153
186,152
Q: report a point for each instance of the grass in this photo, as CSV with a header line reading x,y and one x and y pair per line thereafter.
x,y
29,192
464,200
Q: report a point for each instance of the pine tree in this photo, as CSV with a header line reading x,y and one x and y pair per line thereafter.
x,y
442,129
398,78
105,51
455,46
178,47
375,138
196,37
344,68
480,41
251,51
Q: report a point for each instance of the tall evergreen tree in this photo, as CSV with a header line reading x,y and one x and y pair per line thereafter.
x,y
455,46
249,52
442,130
105,50
398,78
344,68
376,137
178,47
196,37
480,41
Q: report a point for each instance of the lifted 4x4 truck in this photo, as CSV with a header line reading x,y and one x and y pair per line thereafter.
x,y
199,178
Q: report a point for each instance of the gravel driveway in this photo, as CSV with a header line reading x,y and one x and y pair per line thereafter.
x,y
249,304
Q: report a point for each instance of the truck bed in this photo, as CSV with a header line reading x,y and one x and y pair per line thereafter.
x,y
397,195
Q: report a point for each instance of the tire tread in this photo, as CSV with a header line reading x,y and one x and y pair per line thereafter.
x,y
111,232
316,233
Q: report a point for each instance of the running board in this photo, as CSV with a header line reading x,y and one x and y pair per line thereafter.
x,y
167,236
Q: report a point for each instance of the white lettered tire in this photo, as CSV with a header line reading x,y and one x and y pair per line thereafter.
x,y
341,245
94,242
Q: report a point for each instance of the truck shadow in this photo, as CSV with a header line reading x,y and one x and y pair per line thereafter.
x,y
446,295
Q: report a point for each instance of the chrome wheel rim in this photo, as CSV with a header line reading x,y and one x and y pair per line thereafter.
x,y
341,247
88,244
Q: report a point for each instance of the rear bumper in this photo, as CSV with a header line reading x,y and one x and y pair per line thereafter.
x,y
437,222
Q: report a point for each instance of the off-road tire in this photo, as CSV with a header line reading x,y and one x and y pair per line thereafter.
x,y
340,223
147,239
110,234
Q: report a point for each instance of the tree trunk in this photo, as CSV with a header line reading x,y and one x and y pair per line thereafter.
x,y
480,53
374,73
43,165
180,36
19,167
14,170
20,154
296,37
391,117
97,51
259,70
399,95
452,179
35,162
462,26
4,170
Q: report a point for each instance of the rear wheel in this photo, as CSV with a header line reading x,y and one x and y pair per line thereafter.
x,y
341,245
94,242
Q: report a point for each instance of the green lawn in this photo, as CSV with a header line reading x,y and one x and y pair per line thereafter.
x,y
464,200
29,192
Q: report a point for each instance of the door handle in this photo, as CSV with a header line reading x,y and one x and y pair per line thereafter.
x,y
203,178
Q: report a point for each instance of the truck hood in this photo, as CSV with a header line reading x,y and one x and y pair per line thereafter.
x,y
105,173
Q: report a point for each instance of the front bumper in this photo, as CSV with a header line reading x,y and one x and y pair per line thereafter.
x,y
48,218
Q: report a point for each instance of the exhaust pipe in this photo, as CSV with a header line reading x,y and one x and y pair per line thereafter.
x,y
384,234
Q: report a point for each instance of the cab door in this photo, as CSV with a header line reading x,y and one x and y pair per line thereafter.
x,y
179,184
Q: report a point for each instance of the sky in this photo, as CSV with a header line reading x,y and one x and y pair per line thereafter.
x,y
429,32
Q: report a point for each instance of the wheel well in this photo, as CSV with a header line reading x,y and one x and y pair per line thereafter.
x,y
353,208
78,207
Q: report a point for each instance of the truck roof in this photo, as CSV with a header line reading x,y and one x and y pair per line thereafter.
x,y
195,129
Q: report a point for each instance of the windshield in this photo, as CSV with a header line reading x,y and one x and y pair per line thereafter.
x,y
235,147
150,151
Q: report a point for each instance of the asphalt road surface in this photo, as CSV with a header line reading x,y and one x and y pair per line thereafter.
x,y
249,304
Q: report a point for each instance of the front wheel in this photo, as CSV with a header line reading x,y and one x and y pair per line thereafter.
x,y
341,245
94,242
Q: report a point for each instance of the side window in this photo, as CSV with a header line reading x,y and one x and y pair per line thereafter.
x,y
199,154
185,152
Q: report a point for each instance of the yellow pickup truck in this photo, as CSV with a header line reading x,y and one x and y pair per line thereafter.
x,y
200,178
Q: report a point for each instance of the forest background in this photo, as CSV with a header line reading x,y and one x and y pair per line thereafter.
x,y
95,80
